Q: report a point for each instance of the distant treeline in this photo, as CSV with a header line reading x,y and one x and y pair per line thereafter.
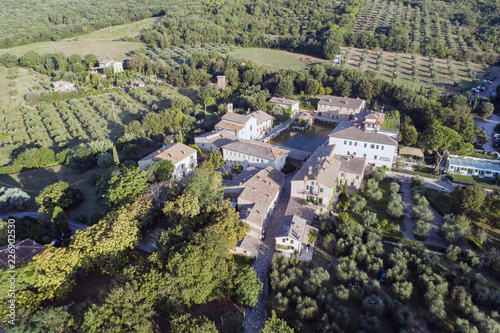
x,y
25,22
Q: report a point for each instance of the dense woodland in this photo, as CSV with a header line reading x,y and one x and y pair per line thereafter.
x,y
320,27
53,20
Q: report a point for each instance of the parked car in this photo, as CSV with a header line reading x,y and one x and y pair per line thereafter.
x,y
382,276
491,78
494,94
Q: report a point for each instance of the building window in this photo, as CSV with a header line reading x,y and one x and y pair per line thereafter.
x,y
365,145
354,153
291,241
307,188
321,190
355,144
381,147
372,146
375,157
312,183
284,240
377,146
348,153
345,142
364,155
357,177
341,174
350,143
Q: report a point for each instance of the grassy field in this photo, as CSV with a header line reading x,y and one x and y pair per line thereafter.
x,y
100,42
275,59
34,181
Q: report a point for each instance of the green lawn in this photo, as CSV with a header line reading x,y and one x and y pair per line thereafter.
x,y
439,200
390,124
274,59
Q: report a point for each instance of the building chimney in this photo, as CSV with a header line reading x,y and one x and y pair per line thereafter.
x,y
230,108
221,82
310,170
248,111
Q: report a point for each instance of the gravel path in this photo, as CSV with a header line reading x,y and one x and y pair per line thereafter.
x,y
256,316
434,238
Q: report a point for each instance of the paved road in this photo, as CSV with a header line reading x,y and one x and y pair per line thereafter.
x,y
489,127
256,316
495,70
73,226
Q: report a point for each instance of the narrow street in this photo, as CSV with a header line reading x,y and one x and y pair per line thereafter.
x,y
256,316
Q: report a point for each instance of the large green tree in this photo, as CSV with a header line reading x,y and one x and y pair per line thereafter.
x,y
467,199
248,286
187,324
59,194
276,325
206,185
440,140
120,185
125,309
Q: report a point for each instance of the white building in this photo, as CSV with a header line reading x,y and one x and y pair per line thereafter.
x,y
249,126
255,200
253,153
116,65
293,234
366,138
286,103
213,141
63,86
378,149
340,108
184,159
474,167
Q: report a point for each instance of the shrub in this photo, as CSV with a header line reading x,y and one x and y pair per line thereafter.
x,y
421,229
357,203
11,198
237,168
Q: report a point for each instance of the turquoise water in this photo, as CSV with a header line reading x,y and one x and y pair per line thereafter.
x,y
307,140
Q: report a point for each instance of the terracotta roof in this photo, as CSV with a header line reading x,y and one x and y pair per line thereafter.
x,y
258,193
354,103
105,61
229,126
322,166
261,116
282,100
25,250
235,118
219,138
175,153
353,165
257,149
355,133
